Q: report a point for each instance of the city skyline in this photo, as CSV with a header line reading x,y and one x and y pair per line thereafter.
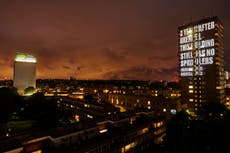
x,y
101,40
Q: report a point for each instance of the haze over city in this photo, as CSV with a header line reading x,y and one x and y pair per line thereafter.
x,y
101,39
114,76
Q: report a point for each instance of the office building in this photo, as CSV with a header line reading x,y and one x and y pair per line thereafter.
x,y
24,72
201,62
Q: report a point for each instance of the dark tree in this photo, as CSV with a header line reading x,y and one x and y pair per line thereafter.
x,y
9,101
44,111
65,116
176,128
206,134
89,98
212,111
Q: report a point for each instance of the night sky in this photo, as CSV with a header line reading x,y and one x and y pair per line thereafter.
x,y
102,39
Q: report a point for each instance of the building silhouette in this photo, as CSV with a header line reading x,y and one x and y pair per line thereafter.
x,y
201,62
24,72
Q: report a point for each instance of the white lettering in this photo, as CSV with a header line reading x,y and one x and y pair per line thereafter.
x,y
198,73
210,52
197,36
200,53
185,63
199,68
204,27
204,43
204,61
186,55
187,32
186,74
196,50
186,47
186,39
186,69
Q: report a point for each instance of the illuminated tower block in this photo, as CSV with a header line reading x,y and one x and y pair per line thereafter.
x,y
24,72
201,62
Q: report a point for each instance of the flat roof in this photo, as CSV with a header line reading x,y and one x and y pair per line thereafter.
x,y
22,57
196,22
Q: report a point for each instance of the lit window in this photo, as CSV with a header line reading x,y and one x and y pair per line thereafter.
x,y
148,102
105,91
103,130
173,111
191,100
86,105
89,116
38,151
190,31
190,91
77,117
190,86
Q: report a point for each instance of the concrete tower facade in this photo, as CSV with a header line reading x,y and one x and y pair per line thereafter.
x,y
24,72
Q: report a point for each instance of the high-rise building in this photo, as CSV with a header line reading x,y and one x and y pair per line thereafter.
x,y
201,62
24,72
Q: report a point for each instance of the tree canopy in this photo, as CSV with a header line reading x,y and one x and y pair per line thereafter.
x,y
207,133
9,100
